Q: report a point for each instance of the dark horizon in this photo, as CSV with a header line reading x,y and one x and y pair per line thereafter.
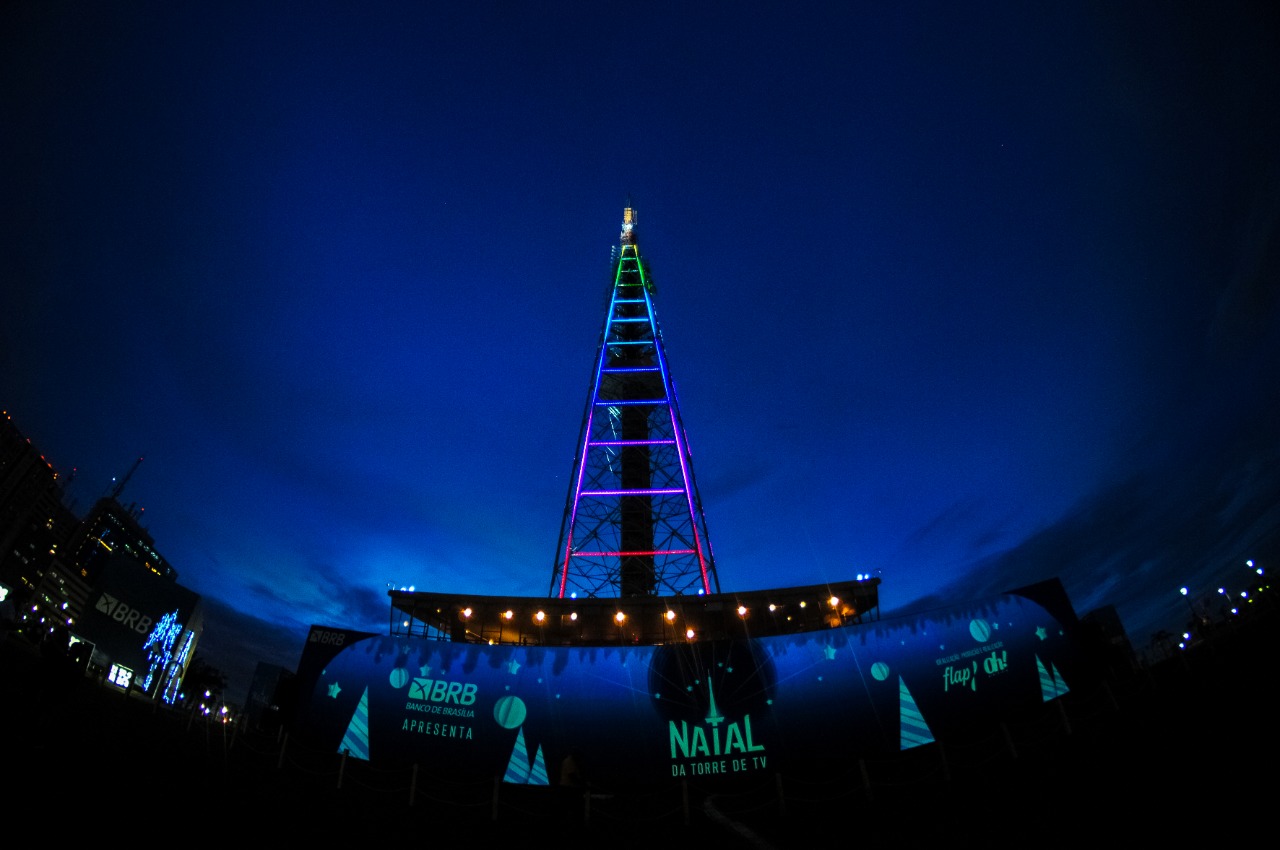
x,y
1089,761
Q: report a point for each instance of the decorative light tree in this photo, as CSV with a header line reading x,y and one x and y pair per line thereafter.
x,y
165,658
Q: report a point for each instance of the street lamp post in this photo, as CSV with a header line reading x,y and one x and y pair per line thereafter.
x,y
1226,600
1186,596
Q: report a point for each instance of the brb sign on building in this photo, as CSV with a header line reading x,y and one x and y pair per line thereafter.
x,y
701,709
128,602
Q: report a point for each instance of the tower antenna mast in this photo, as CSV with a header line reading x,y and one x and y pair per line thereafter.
x,y
633,522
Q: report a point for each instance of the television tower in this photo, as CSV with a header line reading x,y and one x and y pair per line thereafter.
x,y
633,523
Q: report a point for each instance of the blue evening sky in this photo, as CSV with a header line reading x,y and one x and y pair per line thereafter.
x,y
972,295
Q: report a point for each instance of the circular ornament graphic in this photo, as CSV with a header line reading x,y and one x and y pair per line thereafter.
x,y
509,711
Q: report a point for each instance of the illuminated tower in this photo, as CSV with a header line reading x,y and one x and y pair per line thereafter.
x,y
633,522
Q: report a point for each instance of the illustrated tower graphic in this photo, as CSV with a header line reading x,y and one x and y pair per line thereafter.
x,y
633,521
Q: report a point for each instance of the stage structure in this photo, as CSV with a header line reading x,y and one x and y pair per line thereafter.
x,y
638,660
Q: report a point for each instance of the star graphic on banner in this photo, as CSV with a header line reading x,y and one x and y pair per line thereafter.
x,y
830,652
1040,632
424,670
513,666
334,690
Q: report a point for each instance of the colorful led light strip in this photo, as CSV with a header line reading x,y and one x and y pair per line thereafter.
x,y
623,554
584,452
619,402
681,452
596,493
633,443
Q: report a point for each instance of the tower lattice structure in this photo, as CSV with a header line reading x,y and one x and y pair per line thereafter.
x,y
633,521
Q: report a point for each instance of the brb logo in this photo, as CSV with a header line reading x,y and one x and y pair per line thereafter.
x,y
441,690
328,638
120,612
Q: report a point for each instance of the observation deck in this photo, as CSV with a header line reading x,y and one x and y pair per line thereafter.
x,y
639,620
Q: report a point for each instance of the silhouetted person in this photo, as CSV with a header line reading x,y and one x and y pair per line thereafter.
x,y
571,770
78,657
573,784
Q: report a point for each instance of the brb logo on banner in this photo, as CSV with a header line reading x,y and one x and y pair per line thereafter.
x,y
450,701
441,690
128,617
328,638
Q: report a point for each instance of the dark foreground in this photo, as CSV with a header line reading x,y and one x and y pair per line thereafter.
x,y
1181,751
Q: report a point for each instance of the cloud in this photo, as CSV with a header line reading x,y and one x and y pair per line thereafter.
x,y
235,642
1192,521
